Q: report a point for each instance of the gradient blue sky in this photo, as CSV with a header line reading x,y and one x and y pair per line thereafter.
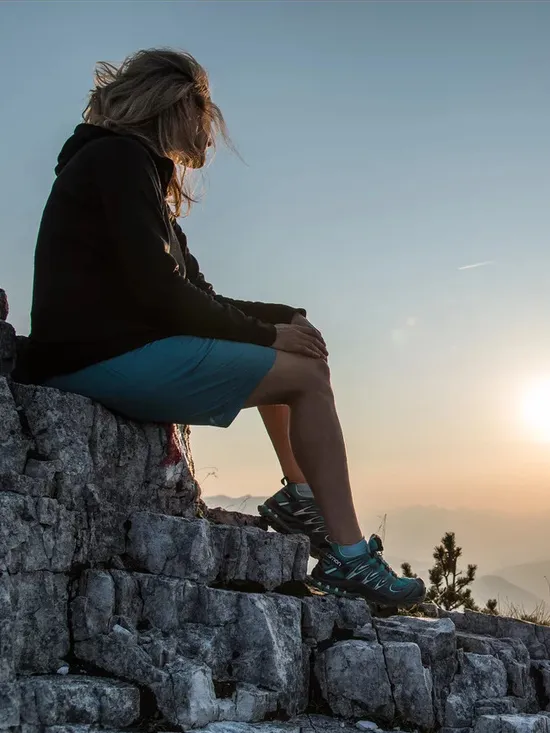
x,y
387,145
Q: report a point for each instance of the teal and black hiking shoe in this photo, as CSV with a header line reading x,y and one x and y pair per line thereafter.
x,y
290,513
368,576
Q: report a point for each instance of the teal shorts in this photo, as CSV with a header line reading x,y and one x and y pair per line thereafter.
x,y
182,379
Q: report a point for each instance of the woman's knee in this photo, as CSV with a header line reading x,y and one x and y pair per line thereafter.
x,y
291,377
309,376
319,376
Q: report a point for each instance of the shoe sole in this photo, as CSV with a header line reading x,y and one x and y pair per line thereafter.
x,y
279,525
335,590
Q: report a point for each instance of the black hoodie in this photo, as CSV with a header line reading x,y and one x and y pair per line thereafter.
x,y
112,267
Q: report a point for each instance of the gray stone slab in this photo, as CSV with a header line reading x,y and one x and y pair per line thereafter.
x,y
354,681
481,677
35,534
322,614
55,700
131,465
9,705
411,684
34,633
13,444
207,654
512,724
197,550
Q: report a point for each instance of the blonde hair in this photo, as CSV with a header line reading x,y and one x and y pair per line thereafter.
x,y
163,97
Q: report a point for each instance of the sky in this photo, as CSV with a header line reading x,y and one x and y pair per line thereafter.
x,y
395,179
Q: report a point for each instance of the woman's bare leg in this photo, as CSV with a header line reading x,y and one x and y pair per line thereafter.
x,y
277,423
315,436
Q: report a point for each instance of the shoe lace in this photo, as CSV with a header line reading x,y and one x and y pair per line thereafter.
x,y
317,519
387,567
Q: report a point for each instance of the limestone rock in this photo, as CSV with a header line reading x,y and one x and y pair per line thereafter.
x,y
13,444
354,681
101,533
55,700
247,728
540,671
436,639
44,471
513,654
500,706
35,534
34,633
203,552
26,485
9,705
481,677
131,466
535,638
8,348
322,724
67,728
7,624
323,614
411,684
218,515
512,724
249,644
301,724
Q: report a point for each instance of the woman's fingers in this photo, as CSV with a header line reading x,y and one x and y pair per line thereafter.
x,y
301,339
318,344
319,335
310,347
314,337
303,322
309,352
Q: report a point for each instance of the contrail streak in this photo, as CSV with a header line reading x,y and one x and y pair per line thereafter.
x,y
477,264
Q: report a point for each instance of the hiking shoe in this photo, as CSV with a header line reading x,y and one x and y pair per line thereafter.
x,y
368,576
289,513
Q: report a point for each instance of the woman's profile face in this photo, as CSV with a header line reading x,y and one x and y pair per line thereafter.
x,y
203,142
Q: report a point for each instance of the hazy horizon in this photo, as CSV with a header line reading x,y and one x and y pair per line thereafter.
x,y
396,184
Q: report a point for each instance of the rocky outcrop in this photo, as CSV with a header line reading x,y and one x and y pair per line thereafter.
x,y
125,605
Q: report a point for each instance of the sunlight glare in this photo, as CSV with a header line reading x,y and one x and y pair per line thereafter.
x,y
536,409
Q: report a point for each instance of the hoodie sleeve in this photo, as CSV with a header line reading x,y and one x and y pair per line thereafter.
x,y
267,312
134,206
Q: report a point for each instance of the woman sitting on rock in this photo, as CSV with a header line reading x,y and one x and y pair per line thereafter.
x,y
122,313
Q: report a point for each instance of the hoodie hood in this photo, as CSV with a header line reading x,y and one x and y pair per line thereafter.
x,y
86,133
82,135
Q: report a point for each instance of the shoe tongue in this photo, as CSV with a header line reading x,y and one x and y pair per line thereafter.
x,y
375,544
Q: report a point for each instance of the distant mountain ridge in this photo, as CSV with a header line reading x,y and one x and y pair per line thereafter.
x,y
534,577
506,593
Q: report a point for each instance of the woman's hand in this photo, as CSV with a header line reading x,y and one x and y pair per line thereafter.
x,y
299,320
300,337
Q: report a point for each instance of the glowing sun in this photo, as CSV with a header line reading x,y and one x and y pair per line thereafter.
x,y
535,409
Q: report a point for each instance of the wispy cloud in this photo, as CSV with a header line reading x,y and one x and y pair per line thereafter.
x,y
477,264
